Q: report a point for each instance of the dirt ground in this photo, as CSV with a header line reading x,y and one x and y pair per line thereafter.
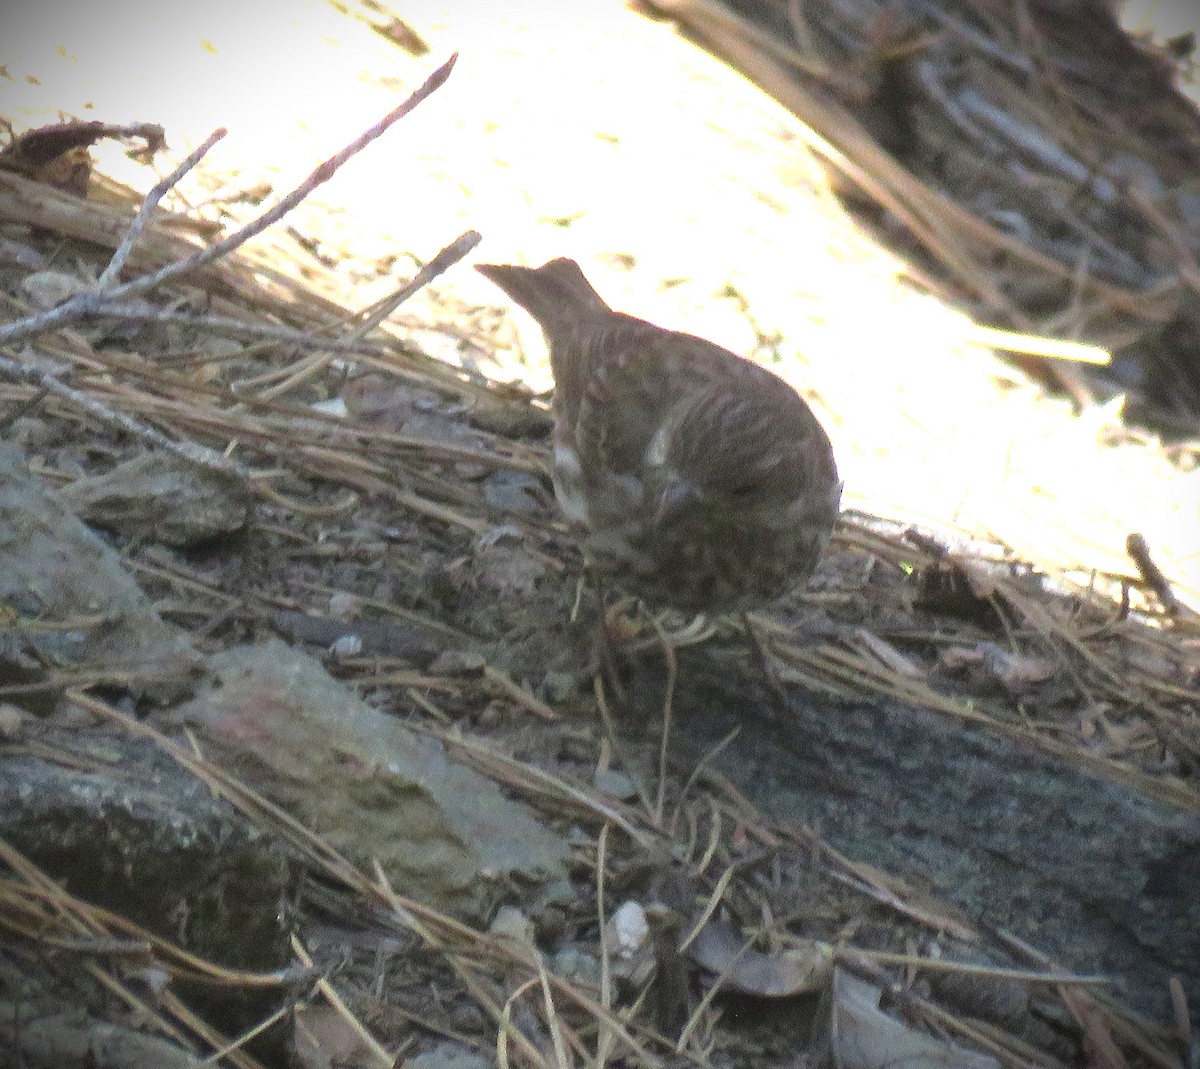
x,y
689,199
683,192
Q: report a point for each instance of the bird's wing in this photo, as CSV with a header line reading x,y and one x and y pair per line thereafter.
x,y
629,375
739,423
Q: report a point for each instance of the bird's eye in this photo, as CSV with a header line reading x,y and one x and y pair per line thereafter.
x,y
744,491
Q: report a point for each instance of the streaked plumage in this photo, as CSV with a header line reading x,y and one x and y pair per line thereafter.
x,y
698,479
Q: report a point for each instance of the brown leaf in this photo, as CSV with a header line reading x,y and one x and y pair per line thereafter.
x,y
325,1038
58,154
720,949
862,1036
1015,672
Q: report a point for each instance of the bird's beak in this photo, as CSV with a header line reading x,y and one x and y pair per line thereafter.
x,y
677,497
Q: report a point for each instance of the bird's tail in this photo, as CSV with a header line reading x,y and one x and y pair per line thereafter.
x,y
554,293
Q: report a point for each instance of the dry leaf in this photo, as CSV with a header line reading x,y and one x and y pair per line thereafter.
x,y
1015,672
720,949
861,1036
325,1038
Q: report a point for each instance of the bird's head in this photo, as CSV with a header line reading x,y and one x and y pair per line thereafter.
x,y
725,458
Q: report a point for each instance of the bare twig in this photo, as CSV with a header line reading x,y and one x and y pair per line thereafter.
x,y
188,451
228,325
113,271
87,303
106,294
1152,574
377,313
441,263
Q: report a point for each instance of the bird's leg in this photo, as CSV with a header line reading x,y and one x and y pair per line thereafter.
x,y
782,708
603,660
580,586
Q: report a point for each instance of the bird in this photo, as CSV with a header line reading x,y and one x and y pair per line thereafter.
x,y
697,480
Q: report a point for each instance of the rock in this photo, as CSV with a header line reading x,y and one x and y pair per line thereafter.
x,y
372,788
159,496
115,821
448,1055
89,612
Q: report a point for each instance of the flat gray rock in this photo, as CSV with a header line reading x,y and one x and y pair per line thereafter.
x,y
77,606
371,787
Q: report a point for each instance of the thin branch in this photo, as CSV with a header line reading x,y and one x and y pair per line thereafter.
x,y
86,303
221,324
113,271
441,263
106,295
188,451
305,339
378,312
228,325
323,173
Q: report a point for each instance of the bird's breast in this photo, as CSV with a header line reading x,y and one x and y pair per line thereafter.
x,y
593,499
738,568
569,484
704,566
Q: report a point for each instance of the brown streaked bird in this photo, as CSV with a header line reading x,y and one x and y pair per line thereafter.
x,y
699,480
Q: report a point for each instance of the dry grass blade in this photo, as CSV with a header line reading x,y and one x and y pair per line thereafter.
x,y
535,783
378,1054
1024,976
465,948
108,294
78,307
1053,348
387,499
25,912
35,906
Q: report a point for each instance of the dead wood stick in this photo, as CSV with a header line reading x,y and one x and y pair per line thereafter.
x,y
219,324
47,382
1152,575
84,304
113,271
378,312
307,339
